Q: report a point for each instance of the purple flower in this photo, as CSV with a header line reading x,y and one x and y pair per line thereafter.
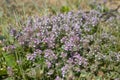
x,y
49,54
31,57
64,39
48,63
65,69
10,48
50,72
79,59
58,78
13,32
70,61
38,52
10,71
63,55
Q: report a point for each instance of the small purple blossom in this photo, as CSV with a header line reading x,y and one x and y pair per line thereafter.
x,y
49,54
50,72
58,78
48,63
31,57
79,59
10,48
65,69
10,71
63,55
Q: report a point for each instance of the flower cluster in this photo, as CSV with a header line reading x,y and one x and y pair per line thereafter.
x,y
66,43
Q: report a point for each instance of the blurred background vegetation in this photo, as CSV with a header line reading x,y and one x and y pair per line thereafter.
x,y
16,11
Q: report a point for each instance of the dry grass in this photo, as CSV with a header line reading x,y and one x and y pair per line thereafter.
x,y
32,6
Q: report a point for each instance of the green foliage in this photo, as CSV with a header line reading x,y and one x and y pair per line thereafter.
x,y
10,60
65,9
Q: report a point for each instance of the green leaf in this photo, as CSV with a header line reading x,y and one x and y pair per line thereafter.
x,y
98,78
9,78
3,72
83,73
10,59
2,37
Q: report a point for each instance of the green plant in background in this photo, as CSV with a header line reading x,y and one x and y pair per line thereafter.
x,y
65,9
